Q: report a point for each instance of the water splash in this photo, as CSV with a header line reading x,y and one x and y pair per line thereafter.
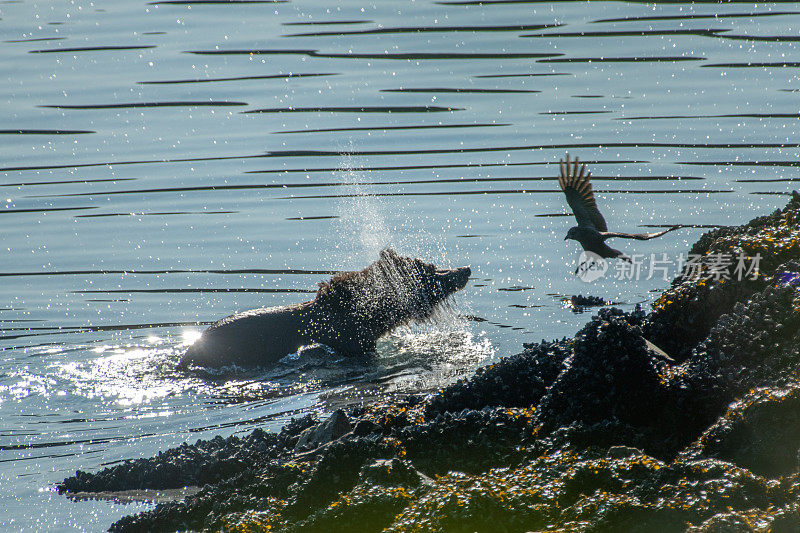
x,y
424,358
361,225
363,232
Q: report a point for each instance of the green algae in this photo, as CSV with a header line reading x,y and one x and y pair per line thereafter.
x,y
564,490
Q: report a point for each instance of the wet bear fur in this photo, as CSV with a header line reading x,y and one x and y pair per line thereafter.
x,y
350,313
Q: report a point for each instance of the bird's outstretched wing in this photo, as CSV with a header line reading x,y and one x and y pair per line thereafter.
x,y
574,181
638,236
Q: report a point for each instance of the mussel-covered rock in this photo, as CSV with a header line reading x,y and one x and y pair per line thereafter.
x,y
610,375
685,313
518,381
760,432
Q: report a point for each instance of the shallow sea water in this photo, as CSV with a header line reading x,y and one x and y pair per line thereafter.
x,y
165,164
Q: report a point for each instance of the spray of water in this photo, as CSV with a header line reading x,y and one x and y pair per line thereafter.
x,y
361,226
363,231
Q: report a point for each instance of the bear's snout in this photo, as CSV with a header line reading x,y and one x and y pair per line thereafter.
x,y
455,279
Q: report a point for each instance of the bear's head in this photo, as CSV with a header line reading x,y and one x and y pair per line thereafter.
x,y
390,292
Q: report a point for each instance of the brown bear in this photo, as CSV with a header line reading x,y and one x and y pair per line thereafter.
x,y
349,313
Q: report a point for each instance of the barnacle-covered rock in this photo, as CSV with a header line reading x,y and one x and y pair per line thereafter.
x,y
760,432
684,314
518,381
611,375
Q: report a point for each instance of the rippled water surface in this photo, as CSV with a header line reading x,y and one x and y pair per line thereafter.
x,y
165,164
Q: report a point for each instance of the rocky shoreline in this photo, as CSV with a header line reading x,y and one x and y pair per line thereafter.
x,y
686,418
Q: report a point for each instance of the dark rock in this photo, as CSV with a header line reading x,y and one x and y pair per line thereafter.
x,y
760,432
518,381
365,427
579,302
333,428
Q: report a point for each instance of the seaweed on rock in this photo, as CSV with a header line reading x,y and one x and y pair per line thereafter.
x,y
760,432
685,313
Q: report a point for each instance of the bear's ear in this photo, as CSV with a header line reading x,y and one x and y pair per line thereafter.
x,y
388,254
323,289
428,267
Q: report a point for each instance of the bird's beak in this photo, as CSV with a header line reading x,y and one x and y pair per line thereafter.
x,y
565,238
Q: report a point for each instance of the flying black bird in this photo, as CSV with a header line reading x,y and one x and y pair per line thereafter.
x,y
591,230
